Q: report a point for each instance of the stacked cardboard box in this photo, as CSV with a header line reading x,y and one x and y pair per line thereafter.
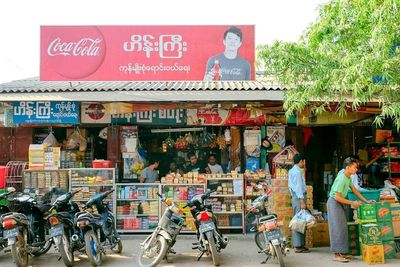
x,y
321,234
385,222
280,204
310,201
354,239
370,234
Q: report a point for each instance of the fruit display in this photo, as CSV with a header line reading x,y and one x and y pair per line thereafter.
x,y
136,168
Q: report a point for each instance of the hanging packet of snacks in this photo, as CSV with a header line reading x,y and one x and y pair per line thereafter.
x,y
50,140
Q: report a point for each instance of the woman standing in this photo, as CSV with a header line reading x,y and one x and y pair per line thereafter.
x,y
336,210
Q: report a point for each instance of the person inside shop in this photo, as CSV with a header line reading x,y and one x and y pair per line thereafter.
x,y
336,210
213,166
298,192
150,173
173,168
357,178
194,165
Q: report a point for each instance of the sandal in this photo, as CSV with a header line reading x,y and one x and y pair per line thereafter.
x,y
301,250
340,258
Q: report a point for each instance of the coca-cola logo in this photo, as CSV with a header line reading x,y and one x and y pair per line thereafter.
x,y
75,53
84,47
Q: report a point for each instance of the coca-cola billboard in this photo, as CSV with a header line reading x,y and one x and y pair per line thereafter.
x,y
117,53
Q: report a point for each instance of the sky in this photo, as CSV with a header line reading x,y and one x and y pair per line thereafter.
x,y
20,21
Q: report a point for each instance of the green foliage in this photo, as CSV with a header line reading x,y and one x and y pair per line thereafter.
x,y
349,57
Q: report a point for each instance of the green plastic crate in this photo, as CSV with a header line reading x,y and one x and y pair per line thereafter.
x,y
370,234
383,212
368,194
367,213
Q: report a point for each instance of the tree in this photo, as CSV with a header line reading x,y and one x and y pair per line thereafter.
x,y
348,57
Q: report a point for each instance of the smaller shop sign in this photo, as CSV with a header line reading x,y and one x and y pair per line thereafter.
x,y
156,117
45,112
92,113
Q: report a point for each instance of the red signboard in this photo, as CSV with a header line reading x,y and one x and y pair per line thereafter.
x,y
121,53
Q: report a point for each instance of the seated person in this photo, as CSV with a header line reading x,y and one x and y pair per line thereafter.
x,y
213,166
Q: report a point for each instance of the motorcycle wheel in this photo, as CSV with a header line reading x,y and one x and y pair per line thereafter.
x,y
92,248
118,248
66,252
19,254
160,246
213,249
279,256
261,243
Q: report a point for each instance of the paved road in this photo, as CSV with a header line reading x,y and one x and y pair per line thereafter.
x,y
240,252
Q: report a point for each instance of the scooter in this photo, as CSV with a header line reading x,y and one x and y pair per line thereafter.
x,y
268,235
157,246
98,229
27,230
66,235
3,210
210,239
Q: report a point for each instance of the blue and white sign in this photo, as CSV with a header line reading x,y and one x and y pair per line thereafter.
x,y
45,112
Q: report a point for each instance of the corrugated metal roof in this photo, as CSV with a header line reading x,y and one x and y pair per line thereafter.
x,y
34,85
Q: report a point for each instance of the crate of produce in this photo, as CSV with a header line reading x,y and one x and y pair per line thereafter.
x,y
370,195
373,254
370,234
383,212
367,213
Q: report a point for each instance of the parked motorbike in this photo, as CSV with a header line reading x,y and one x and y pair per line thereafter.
x,y
66,235
27,229
3,210
157,246
210,239
268,235
98,229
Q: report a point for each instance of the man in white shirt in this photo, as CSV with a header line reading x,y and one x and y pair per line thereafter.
x,y
213,166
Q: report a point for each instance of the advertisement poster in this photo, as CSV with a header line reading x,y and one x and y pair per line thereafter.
x,y
147,53
169,117
45,112
276,135
93,113
224,117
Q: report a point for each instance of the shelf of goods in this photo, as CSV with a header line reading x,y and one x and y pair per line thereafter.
x,y
39,182
256,184
180,194
227,202
137,207
389,161
92,181
76,158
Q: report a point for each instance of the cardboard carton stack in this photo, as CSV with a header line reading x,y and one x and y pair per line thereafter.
x,y
280,204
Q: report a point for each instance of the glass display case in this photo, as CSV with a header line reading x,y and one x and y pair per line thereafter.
x,y
137,207
93,181
227,202
39,182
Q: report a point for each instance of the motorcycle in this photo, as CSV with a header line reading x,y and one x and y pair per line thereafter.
x,y
98,229
27,229
210,240
157,246
66,235
3,210
268,235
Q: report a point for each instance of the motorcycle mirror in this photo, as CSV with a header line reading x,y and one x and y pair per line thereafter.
x,y
11,189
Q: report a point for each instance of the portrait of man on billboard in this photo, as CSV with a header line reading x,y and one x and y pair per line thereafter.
x,y
229,66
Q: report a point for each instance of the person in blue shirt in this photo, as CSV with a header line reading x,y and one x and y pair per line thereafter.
x,y
298,191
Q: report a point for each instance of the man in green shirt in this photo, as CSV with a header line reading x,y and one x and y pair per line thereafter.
x,y
336,210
